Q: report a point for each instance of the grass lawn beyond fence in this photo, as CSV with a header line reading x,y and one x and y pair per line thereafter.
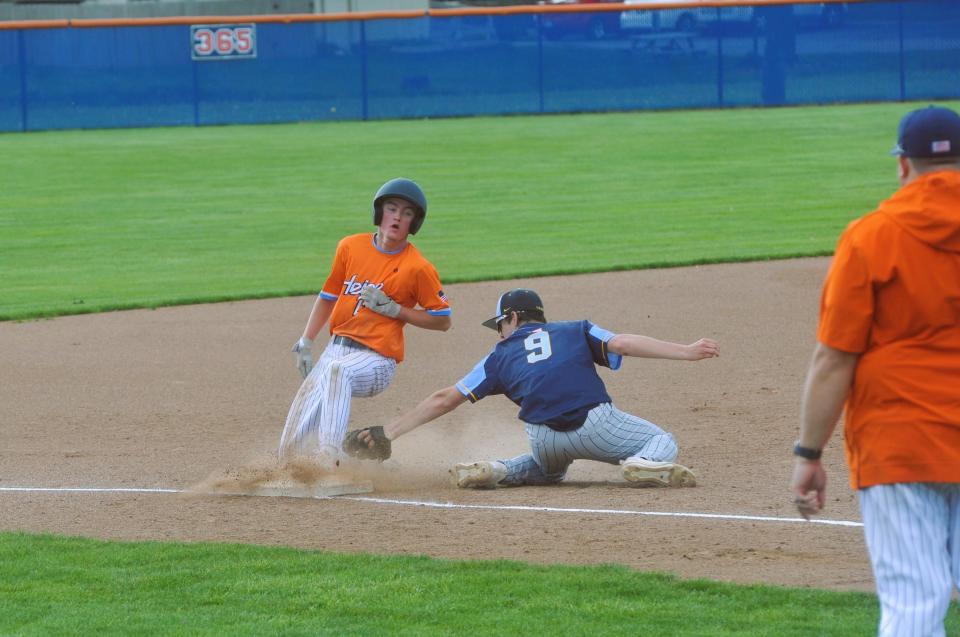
x,y
100,220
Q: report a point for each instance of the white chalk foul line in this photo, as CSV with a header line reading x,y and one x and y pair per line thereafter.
x,y
515,507
488,507
91,490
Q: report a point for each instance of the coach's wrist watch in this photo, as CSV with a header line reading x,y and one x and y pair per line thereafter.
x,y
806,452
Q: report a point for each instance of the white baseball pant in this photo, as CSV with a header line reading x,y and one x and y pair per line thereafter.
x,y
913,537
320,411
607,435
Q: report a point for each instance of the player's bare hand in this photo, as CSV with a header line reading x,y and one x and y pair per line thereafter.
x,y
304,356
367,438
377,300
704,348
809,486
369,443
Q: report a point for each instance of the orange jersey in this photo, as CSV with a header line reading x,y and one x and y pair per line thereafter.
x,y
893,296
405,275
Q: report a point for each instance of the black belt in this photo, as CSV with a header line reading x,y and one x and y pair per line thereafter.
x,y
348,342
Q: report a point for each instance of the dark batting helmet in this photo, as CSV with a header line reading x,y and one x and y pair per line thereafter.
x,y
405,189
524,302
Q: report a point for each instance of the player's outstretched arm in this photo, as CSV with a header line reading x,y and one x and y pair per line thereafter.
x,y
377,301
647,347
430,408
425,320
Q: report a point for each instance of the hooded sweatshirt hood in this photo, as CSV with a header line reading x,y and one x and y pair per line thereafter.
x,y
929,209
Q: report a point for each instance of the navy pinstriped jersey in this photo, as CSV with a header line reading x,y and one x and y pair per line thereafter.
x,y
549,370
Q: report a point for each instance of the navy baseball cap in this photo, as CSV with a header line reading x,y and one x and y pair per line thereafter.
x,y
933,131
516,300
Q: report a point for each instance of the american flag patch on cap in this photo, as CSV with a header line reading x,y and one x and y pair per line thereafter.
x,y
942,146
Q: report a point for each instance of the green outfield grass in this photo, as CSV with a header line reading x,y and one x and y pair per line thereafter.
x,y
98,220
64,586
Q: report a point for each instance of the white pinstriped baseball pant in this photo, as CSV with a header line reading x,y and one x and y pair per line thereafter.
x,y
608,435
320,411
913,537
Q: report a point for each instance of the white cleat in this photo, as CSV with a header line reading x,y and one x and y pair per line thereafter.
x,y
327,458
478,475
646,473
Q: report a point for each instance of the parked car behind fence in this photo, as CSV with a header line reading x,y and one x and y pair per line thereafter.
x,y
594,26
695,16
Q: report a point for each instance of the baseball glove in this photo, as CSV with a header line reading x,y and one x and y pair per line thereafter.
x,y
354,446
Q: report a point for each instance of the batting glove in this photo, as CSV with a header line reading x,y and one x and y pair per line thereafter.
x,y
304,356
375,299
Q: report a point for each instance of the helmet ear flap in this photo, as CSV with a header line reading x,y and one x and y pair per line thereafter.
x,y
417,221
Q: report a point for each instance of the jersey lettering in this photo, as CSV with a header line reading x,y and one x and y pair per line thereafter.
x,y
538,344
352,287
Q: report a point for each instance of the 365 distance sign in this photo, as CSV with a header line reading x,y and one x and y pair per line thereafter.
x,y
223,41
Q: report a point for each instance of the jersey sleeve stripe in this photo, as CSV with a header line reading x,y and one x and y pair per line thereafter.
x,y
443,312
473,380
326,296
601,334
614,361
466,392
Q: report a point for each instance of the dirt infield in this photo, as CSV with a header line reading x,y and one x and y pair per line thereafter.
x,y
179,397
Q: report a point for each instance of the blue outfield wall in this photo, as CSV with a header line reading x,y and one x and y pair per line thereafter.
x,y
439,66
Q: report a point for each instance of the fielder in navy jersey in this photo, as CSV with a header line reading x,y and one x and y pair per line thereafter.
x,y
549,370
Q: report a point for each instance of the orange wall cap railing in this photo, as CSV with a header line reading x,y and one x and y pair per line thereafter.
x,y
389,15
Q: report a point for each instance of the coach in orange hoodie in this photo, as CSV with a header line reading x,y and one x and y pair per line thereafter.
x,y
889,346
